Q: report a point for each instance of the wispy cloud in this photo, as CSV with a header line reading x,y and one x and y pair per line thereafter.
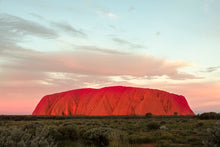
x,y
158,33
37,16
212,69
104,14
14,29
63,26
19,26
101,10
131,9
69,29
98,49
112,15
127,43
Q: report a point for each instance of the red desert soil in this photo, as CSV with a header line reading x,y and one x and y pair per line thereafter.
x,y
117,100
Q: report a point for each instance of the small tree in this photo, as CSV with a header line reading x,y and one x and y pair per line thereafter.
x,y
148,115
175,113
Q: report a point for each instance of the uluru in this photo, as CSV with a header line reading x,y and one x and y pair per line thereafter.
x,y
116,100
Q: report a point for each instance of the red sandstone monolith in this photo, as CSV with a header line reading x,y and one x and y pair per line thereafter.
x,y
117,100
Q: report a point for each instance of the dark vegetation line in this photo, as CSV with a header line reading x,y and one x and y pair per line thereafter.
x,y
208,115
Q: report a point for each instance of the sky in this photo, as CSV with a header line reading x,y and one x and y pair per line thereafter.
x,y
50,46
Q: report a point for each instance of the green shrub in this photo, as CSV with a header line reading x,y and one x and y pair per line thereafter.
x,y
163,135
199,124
140,139
213,136
20,137
153,126
194,140
148,115
184,120
67,124
31,127
1,123
66,132
21,144
83,130
162,123
55,134
102,136
164,143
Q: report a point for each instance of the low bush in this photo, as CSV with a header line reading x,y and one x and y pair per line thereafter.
x,y
166,136
31,127
153,126
213,136
19,137
102,136
199,124
194,140
162,123
66,132
140,139
164,143
148,115
1,123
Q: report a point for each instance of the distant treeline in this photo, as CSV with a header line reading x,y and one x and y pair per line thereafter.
x,y
58,117
207,115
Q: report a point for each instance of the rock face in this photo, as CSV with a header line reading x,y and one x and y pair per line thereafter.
x,y
115,100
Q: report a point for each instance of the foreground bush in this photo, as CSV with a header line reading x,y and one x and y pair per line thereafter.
x,y
102,136
140,139
213,138
153,126
66,132
20,137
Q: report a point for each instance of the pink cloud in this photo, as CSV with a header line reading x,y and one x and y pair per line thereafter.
x,y
95,63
